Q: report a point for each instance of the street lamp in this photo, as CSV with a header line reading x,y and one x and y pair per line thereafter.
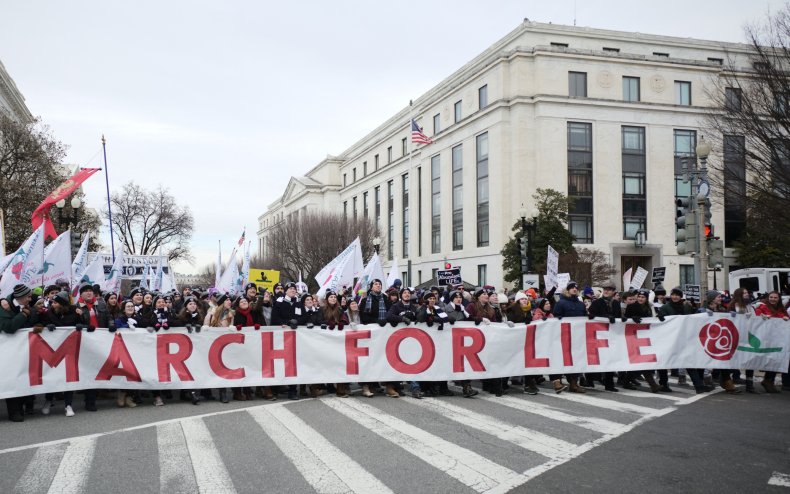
x,y
639,238
376,244
703,190
528,228
71,219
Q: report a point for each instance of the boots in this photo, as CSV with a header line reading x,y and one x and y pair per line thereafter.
x,y
268,394
341,390
366,392
391,392
651,381
223,395
530,387
729,387
769,387
750,387
558,386
681,380
316,391
120,399
573,385
469,391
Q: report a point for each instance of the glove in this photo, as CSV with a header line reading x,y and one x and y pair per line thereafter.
x,y
353,325
310,325
509,324
393,324
256,326
150,330
590,317
38,328
407,319
331,327
51,327
293,324
477,322
545,317
733,314
486,320
158,326
661,317
165,326
323,326
710,312
198,328
238,327
91,328
559,317
624,319
611,320
112,329
79,327
189,328
451,321
441,327
429,321
381,322
340,326
637,319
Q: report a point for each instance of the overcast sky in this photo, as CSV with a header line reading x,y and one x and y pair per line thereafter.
x,y
223,101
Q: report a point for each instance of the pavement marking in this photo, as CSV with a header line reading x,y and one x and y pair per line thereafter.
x,y
175,476
325,467
74,468
469,468
602,403
42,468
210,472
779,479
645,394
591,423
528,439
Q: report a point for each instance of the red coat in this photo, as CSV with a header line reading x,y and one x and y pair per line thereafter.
x,y
765,310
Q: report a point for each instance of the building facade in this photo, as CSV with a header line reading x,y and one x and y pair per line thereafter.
x,y
12,103
606,117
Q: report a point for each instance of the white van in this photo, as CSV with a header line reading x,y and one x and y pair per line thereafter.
x,y
762,280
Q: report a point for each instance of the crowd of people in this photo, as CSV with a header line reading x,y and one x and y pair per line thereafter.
x,y
284,306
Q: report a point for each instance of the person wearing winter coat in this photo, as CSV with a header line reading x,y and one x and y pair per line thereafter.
x,y
16,313
191,315
164,317
433,316
374,307
311,314
637,308
607,307
773,308
59,314
405,310
480,309
220,316
569,305
245,316
287,309
92,311
520,311
542,310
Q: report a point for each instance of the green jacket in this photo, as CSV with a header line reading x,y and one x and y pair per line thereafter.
x,y
11,321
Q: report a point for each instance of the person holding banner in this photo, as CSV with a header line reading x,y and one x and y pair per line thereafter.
x,y
713,305
480,310
15,314
60,313
431,314
740,304
569,305
638,308
285,312
607,307
772,308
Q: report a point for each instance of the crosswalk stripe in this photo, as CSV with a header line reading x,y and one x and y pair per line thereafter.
x,y
326,468
644,394
779,479
210,472
464,465
591,423
174,474
74,467
602,403
528,439
41,470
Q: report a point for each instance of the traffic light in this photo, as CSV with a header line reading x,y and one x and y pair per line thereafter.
x,y
686,222
447,265
522,253
706,217
76,243
715,253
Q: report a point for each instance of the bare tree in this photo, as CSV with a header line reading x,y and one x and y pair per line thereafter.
x,y
147,220
305,243
752,129
30,169
589,267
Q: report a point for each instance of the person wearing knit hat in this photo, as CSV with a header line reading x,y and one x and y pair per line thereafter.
x,y
60,314
15,314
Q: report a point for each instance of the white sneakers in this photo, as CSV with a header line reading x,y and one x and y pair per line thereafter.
x,y
46,408
158,401
69,411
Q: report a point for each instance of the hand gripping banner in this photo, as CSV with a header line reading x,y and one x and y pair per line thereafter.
x,y
66,359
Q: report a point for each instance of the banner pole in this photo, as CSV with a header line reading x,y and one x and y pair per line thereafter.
x,y
2,234
109,207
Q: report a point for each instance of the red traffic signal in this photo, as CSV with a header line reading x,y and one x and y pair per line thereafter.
x,y
708,231
447,265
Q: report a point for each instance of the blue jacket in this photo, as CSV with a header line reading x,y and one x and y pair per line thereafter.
x,y
569,307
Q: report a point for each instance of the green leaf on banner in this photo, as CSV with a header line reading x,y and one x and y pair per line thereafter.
x,y
754,341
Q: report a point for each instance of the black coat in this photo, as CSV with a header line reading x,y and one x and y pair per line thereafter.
x,y
372,316
314,316
399,310
284,311
68,318
602,307
100,308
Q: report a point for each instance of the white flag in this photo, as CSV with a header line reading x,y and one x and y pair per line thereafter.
x,y
57,259
245,267
4,262
393,275
146,275
301,286
228,280
160,272
372,271
218,267
12,274
172,277
627,279
34,264
112,284
341,270
93,274
80,261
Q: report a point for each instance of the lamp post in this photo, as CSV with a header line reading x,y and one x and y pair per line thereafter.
x,y
70,219
376,244
639,238
703,189
528,227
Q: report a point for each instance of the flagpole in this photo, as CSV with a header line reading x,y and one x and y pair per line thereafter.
x,y
109,208
2,234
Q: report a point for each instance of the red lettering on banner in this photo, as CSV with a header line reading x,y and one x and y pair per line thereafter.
x,y
118,363
565,339
354,351
594,343
215,356
469,353
428,351
529,350
287,353
165,359
39,352
633,343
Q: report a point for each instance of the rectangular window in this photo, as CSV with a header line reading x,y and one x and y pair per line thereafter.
x,y
482,189
390,220
732,98
634,182
559,45
719,61
345,180
364,168
611,50
437,126
683,93
403,147
404,276
377,205
630,88
580,186
354,207
482,97
734,188
686,272
345,210
660,54
365,205
376,162
577,84
436,206
458,198
353,175
481,274
405,197
457,111
389,155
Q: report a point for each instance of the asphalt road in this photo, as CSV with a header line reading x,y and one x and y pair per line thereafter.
x,y
598,442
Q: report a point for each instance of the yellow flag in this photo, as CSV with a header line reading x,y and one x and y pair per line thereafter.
x,y
264,278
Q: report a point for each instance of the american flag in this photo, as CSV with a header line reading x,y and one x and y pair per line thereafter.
x,y
243,235
417,135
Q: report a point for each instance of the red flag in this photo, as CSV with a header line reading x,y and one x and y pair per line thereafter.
x,y
41,214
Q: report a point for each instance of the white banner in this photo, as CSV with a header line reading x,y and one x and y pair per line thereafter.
x,y
66,359
57,260
19,267
80,262
639,278
341,270
552,268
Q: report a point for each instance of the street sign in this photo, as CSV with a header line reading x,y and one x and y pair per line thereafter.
x,y
691,292
530,281
659,274
449,276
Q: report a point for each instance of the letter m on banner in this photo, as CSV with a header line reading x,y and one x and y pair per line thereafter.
x,y
41,352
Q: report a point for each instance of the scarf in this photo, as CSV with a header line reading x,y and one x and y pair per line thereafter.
x,y
382,309
247,314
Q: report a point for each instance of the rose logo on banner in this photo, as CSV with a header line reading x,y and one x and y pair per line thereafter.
x,y
719,339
